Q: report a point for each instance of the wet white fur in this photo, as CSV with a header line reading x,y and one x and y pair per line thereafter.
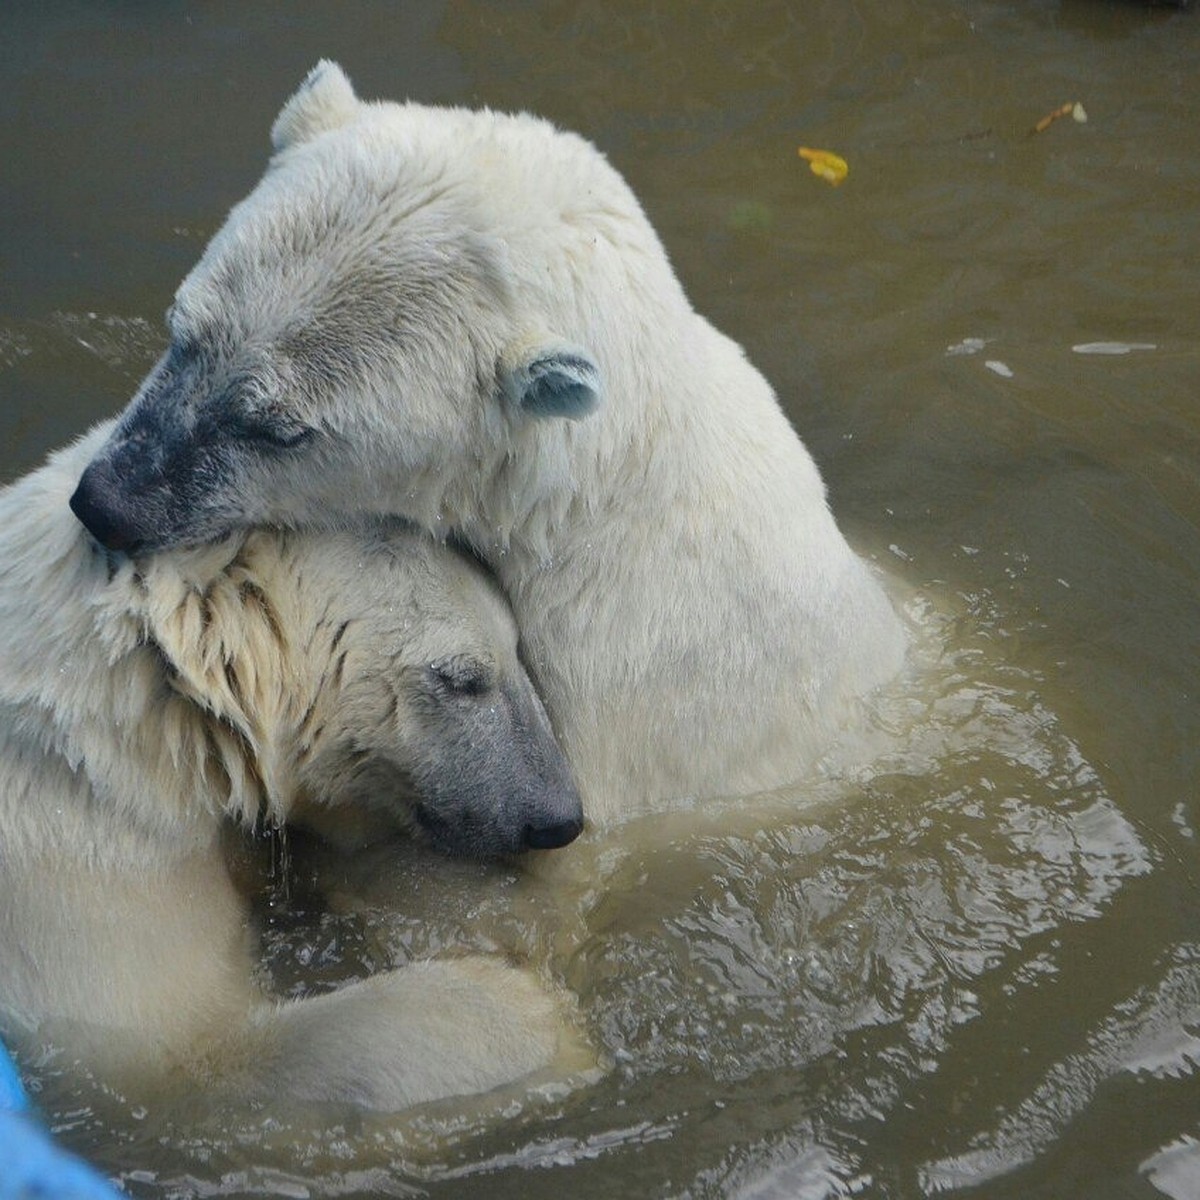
x,y
695,621
143,705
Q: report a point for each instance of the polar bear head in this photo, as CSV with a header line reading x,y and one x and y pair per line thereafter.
x,y
408,296
377,671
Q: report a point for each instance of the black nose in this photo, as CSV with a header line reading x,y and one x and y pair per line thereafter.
x,y
96,502
553,836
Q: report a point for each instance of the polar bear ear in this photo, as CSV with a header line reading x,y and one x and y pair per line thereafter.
x,y
549,378
323,101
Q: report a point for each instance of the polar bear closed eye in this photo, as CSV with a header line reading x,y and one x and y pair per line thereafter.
x,y
465,318
373,670
144,703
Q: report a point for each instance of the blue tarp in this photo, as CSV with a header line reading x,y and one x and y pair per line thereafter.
x,y
32,1167
12,1094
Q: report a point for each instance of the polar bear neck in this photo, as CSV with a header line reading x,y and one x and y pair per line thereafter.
x,y
651,578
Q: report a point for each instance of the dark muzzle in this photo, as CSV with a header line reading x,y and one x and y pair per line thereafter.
x,y
102,507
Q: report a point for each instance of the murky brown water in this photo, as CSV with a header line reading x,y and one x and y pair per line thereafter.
x,y
977,968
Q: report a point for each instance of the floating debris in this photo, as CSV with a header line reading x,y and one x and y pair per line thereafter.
x,y
971,345
1074,110
1112,347
824,163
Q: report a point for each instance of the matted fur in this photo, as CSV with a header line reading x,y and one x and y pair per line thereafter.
x,y
146,702
465,318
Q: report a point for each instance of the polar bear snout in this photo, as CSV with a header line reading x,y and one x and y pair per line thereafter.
x,y
552,809
556,818
553,835
130,496
493,780
557,823
503,802
99,504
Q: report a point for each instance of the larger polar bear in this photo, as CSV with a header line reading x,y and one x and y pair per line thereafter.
x,y
465,317
145,702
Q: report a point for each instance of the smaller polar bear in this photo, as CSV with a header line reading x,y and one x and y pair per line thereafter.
x,y
464,318
143,702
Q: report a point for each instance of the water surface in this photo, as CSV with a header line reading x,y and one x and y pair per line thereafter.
x,y
974,968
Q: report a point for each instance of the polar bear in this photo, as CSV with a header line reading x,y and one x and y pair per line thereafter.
x,y
466,319
143,702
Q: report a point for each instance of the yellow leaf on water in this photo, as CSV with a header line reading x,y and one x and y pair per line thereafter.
x,y
829,166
